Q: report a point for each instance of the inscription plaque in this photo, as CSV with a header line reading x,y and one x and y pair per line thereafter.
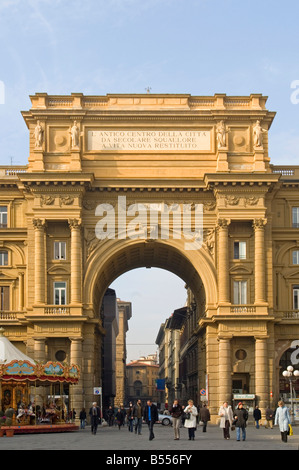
x,y
156,140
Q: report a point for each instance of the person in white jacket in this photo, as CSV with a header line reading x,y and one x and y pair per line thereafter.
x,y
226,414
190,422
282,419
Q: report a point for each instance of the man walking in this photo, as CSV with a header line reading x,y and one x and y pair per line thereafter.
x,y
138,414
150,417
176,412
95,416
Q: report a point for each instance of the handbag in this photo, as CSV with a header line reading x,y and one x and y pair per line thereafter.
x,y
187,415
290,432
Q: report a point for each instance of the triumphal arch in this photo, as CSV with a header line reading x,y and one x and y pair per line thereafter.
x,y
173,181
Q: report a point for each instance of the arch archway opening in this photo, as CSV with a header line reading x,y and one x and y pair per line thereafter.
x,y
121,258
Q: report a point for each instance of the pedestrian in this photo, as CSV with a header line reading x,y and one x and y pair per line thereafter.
x,y
119,418
123,412
205,416
150,416
269,418
257,417
190,419
176,412
282,419
241,417
226,421
138,414
95,416
130,417
82,417
110,416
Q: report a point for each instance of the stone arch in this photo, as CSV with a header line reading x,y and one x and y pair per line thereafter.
x,y
113,258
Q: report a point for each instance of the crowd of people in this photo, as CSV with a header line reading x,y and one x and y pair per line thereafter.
x,y
188,417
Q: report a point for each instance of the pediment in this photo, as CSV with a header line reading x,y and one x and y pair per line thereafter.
x,y
292,274
58,269
240,269
5,276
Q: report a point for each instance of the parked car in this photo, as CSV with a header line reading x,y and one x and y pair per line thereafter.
x,y
166,420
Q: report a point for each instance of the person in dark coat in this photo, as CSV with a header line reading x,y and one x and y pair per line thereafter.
x,y
119,418
257,417
95,416
138,415
130,417
241,417
150,417
82,418
269,417
176,412
204,414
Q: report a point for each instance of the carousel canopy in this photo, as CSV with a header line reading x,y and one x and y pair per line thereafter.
x,y
16,366
8,352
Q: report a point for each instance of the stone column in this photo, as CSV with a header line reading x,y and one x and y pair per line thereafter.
x,y
21,291
40,350
40,284
225,370
223,261
76,358
261,373
259,260
40,393
76,261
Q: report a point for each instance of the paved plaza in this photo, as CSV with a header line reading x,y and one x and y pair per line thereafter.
x,y
113,441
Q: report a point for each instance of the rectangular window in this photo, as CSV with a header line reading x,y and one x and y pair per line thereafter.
x,y
296,298
240,292
3,216
239,250
4,298
59,293
296,257
295,217
3,258
59,250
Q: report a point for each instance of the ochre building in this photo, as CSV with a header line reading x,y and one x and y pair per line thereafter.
x,y
103,175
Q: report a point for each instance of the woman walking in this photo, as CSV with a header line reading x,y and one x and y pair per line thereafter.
x,y
190,421
226,421
282,419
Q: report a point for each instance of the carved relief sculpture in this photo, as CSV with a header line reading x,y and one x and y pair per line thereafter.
x,y
39,135
221,131
74,131
258,134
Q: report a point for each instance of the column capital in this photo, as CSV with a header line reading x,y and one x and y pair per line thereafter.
x,y
223,223
222,337
75,224
76,339
259,223
39,224
261,338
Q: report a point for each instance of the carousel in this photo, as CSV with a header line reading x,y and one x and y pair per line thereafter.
x,y
21,410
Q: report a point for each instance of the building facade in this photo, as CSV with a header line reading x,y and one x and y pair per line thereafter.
x,y
104,174
142,375
124,315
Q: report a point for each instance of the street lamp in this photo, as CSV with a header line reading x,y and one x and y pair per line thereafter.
x,y
289,373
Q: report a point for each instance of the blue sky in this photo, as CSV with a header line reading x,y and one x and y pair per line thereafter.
x,y
199,47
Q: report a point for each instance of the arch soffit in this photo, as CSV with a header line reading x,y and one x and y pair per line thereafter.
x,y
115,257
